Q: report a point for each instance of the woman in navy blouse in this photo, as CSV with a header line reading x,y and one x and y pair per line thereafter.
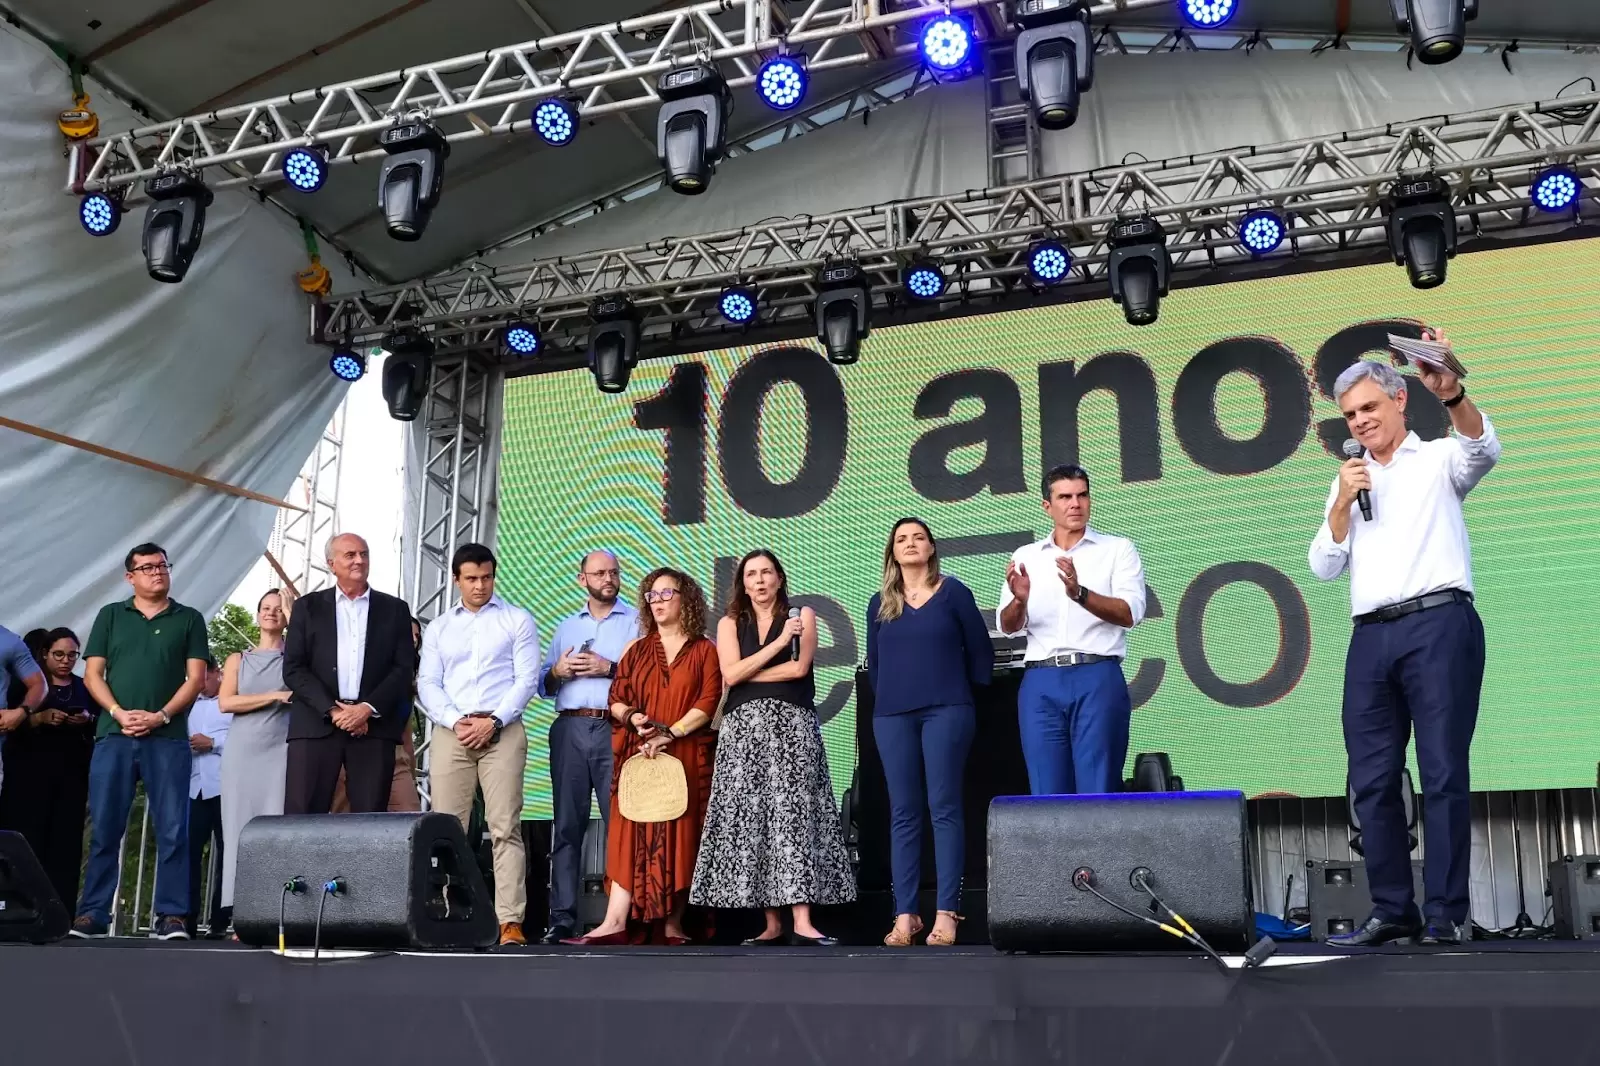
x,y
927,645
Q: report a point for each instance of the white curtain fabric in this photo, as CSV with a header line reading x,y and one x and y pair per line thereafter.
x,y
1158,106
213,376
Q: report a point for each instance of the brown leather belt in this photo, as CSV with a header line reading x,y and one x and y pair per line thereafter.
x,y
585,712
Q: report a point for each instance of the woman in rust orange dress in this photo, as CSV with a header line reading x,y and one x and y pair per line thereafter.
x,y
669,677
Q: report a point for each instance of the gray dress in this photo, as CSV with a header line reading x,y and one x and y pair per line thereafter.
x,y
254,760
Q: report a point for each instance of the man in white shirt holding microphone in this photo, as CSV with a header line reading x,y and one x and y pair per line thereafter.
x,y
479,669
1416,654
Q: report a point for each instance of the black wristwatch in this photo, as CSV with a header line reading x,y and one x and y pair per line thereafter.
x,y
611,672
1083,596
1456,399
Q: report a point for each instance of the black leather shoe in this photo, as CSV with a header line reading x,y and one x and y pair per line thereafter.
x,y
556,934
798,941
1375,932
765,942
1443,931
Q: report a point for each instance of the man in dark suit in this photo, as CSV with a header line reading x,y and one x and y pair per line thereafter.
x,y
349,659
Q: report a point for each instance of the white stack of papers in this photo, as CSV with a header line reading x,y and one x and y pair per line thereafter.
x,y
1434,355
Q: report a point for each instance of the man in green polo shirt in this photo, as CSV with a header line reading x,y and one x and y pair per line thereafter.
x,y
145,663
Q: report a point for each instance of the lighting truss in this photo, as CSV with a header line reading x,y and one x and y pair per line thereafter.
x,y
1330,186
612,68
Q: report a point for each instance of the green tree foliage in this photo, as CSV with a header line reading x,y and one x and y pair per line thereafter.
x,y
231,630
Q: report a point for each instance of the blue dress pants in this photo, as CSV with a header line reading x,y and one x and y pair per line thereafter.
x,y
580,767
1423,671
162,763
1074,725
924,755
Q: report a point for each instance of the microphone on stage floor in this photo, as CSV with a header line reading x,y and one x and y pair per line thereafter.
x,y
1353,450
794,642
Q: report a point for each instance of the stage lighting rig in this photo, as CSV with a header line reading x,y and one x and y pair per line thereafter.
x,y
923,279
692,127
347,364
1262,231
556,121
1422,227
306,169
613,342
738,305
1139,267
174,224
406,372
408,187
1437,28
100,213
521,339
1207,14
1048,262
1054,57
782,82
844,310
1555,189
949,46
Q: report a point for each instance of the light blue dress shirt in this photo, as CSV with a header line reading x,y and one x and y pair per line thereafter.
x,y
610,635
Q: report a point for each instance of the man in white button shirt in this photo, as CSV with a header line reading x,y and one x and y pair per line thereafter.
x,y
1076,594
208,732
480,667
1416,654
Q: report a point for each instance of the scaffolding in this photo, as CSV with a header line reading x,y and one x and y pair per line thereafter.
x,y
299,538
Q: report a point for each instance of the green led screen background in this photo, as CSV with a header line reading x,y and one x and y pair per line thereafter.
x,y
1240,676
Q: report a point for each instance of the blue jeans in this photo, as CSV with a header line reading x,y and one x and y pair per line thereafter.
x,y
924,755
1422,672
1074,725
162,763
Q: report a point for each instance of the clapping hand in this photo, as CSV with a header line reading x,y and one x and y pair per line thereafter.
x,y
1068,572
1019,581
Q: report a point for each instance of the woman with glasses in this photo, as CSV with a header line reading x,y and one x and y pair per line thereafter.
x,y
772,838
256,756
927,645
47,765
666,689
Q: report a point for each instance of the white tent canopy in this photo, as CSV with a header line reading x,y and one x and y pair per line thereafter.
x,y
213,376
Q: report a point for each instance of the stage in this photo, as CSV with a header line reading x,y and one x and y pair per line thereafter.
x,y
133,1002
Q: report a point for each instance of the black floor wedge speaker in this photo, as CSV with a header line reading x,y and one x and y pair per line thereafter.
x,y
397,881
30,910
1193,845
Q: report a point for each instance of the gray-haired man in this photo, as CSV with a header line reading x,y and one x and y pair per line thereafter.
x,y
1416,654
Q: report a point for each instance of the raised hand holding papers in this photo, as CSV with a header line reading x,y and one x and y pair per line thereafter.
x,y
1433,353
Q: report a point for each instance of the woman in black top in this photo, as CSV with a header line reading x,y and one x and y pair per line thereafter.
x,y
772,837
47,767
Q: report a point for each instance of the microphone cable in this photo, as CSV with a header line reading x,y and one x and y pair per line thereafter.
x,y
1083,881
332,887
1139,878
292,887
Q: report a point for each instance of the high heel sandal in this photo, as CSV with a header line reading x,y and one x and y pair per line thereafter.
x,y
937,939
897,939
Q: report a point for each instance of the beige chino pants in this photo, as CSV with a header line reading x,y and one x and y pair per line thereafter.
x,y
455,772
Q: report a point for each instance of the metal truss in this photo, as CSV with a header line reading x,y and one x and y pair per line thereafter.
x,y
1329,187
609,69
455,479
299,538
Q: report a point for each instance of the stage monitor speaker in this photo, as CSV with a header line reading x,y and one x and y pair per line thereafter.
x,y
1575,897
1338,897
1192,843
407,881
30,910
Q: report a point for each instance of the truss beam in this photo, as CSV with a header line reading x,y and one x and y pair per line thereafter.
x,y
299,537
1329,187
609,69
454,488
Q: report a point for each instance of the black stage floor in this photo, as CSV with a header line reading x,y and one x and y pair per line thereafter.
x,y
134,1003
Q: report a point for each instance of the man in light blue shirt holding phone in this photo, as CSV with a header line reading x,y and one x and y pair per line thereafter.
x,y
577,673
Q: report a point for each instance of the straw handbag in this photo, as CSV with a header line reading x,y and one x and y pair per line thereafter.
x,y
652,790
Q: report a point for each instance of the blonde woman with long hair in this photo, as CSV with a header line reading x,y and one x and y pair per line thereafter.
x,y
927,645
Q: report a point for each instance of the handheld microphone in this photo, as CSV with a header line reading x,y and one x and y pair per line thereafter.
x,y
794,642
1353,450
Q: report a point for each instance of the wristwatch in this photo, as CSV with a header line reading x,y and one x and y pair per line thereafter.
x,y
166,719
1456,399
1083,596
